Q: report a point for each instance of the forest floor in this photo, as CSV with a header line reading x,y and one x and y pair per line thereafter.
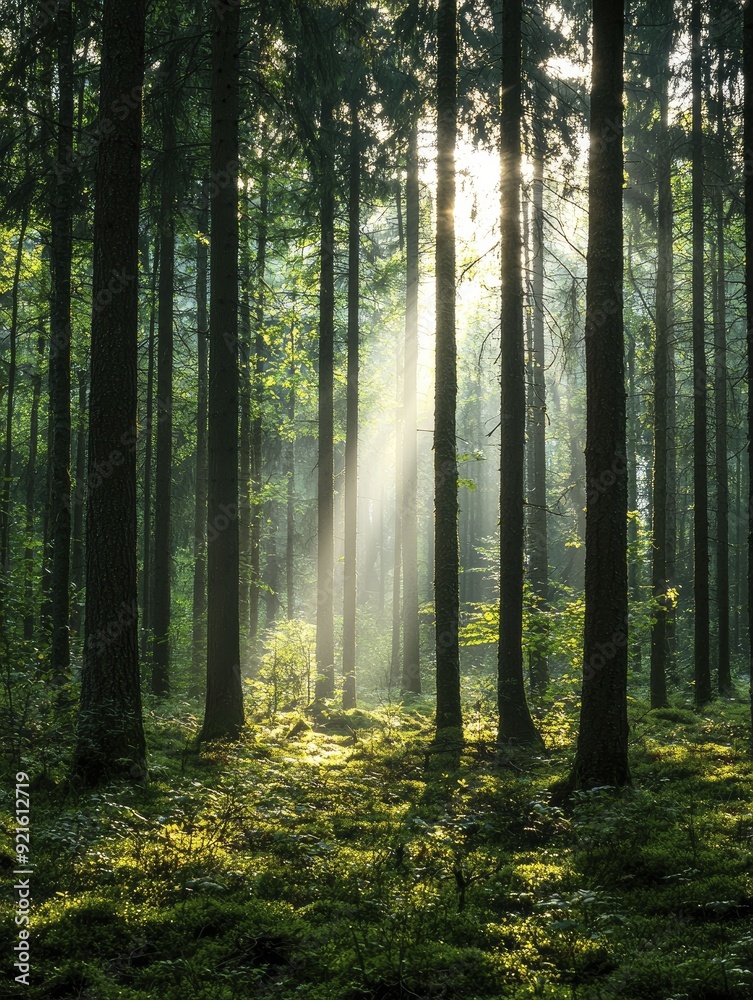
x,y
341,858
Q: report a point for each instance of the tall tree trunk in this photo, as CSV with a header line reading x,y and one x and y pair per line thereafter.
x,y
325,628
659,569
351,428
258,402
10,404
77,550
446,562
60,352
515,723
148,537
602,752
247,587
223,715
110,737
290,498
160,614
702,652
748,194
720,404
538,556
199,635
31,485
633,441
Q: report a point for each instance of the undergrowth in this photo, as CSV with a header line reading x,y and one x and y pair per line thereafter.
x,y
338,856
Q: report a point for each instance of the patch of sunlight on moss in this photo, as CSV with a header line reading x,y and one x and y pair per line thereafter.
x,y
537,874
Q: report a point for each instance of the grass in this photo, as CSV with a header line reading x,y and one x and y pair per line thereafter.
x,y
341,860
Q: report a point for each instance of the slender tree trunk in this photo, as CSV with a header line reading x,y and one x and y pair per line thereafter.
x,y
602,752
350,582
31,485
247,587
748,194
77,551
633,439
160,614
720,407
659,569
148,538
199,633
702,651
10,404
223,714
258,401
110,737
290,498
515,723
538,561
446,563
325,628
60,351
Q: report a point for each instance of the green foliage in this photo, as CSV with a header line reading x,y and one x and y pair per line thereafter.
x,y
341,858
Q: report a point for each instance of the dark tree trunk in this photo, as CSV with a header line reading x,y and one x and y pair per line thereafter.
x,y
77,552
223,714
10,403
60,352
148,537
659,569
160,614
258,401
720,405
702,652
538,554
446,563
351,429
602,752
199,637
325,628
515,723
31,484
245,501
748,193
110,738
633,444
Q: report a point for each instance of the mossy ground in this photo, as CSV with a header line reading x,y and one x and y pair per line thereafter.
x,y
348,860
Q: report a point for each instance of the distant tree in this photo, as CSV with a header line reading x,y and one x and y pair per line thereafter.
x,y
110,736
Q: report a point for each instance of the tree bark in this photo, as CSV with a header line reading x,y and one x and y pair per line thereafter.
x,y
258,401
659,570
31,481
538,547
602,752
160,591
223,715
446,561
199,628
720,405
325,628
110,737
748,195
515,722
351,429
77,551
702,651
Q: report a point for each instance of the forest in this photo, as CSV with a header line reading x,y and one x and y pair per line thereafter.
x,y
376,549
